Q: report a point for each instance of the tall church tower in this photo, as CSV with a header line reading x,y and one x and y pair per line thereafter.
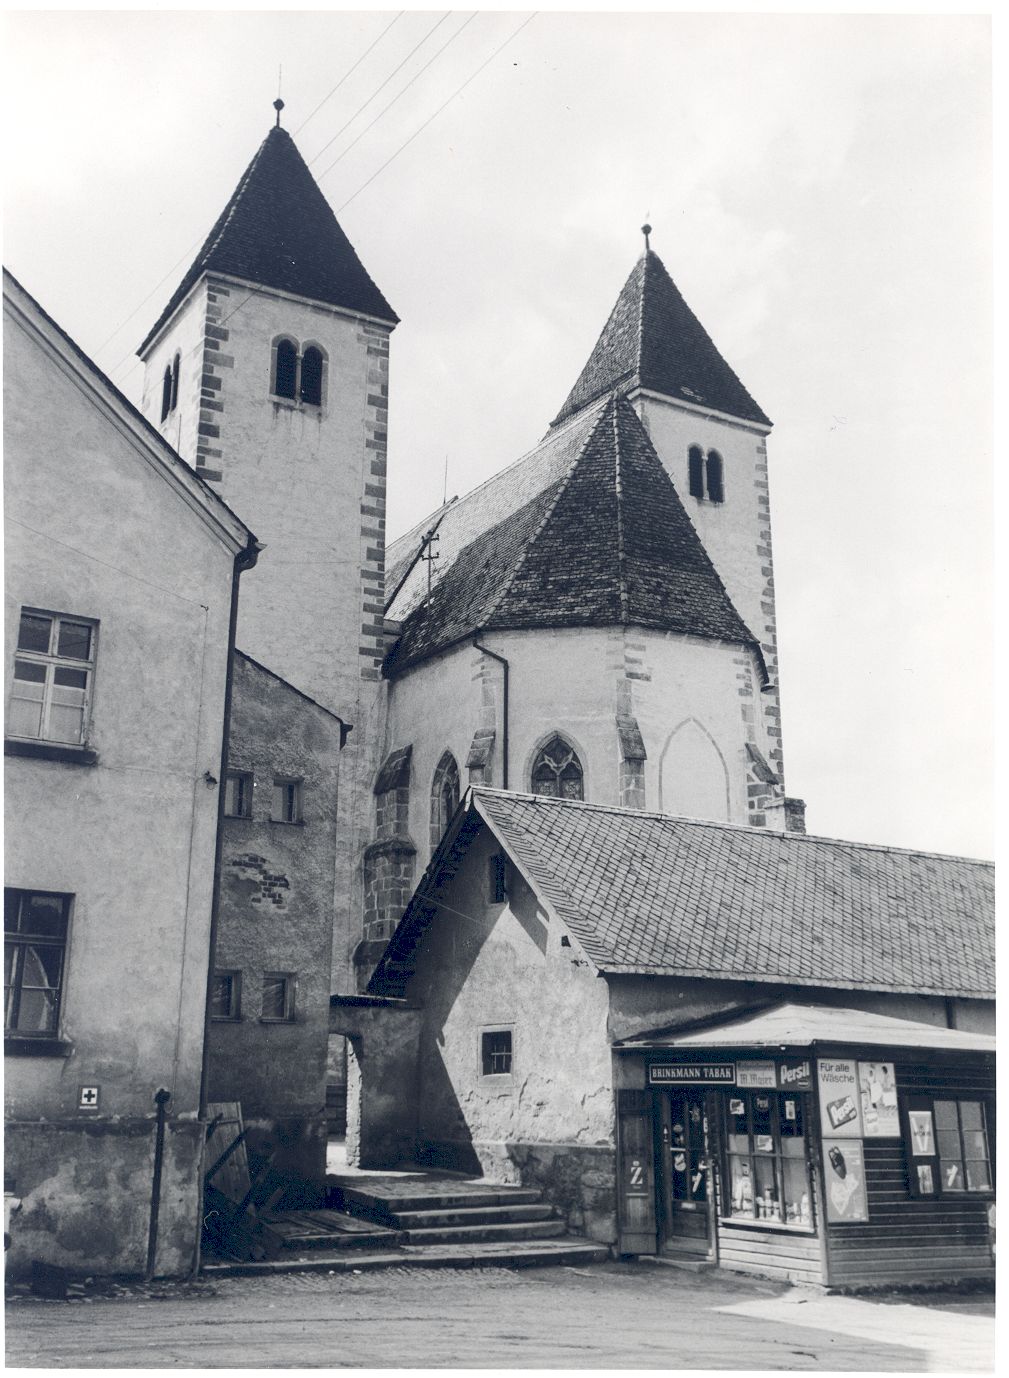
x,y
711,438
268,371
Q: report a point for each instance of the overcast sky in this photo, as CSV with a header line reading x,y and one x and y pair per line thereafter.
x,y
819,189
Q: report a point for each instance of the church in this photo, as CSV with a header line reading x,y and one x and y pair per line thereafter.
x,y
506,852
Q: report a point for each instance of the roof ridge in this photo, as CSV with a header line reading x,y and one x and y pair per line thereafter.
x,y
770,833
618,484
562,485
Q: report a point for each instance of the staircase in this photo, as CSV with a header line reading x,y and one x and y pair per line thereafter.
x,y
420,1220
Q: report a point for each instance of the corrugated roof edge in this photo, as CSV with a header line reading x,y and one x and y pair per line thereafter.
x,y
123,401
770,834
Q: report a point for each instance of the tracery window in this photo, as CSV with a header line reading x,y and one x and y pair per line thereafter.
x,y
557,771
444,796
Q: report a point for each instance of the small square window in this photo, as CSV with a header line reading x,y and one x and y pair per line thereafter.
x,y
496,1052
286,806
238,794
278,996
226,995
54,666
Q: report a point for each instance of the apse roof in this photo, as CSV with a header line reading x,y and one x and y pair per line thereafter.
x,y
278,230
653,340
650,894
605,543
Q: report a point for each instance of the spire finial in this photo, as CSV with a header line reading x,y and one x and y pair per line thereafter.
x,y
278,105
646,230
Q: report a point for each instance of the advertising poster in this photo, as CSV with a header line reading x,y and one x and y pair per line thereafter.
x,y
844,1178
840,1099
878,1093
756,1074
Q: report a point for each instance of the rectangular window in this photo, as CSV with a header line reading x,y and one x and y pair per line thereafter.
x,y
36,923
238,794
947,1147
767,1177
278,996
496,1052
497,889
226,995
53,670
286,806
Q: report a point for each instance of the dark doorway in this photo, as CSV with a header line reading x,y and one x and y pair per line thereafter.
x,y
684,1176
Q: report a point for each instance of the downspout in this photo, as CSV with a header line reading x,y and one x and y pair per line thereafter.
x,y
161,1099
504,730
245,559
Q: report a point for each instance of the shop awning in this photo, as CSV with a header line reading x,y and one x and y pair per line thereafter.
x,y
800,1026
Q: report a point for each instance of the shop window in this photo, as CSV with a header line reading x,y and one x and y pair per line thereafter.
x,y
238,794
53,669
695,465
496,1052
226,995
285,369
444,796
36,923
947,1146
557,771
311,376
286,807
767,1177
278,997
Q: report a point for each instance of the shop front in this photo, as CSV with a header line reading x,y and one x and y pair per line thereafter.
x,y
824,1145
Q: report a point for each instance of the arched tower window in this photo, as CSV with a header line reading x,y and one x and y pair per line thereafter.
x,y
444,796
695,460
716,490
285,369
311,376
175,382
557,771
166,393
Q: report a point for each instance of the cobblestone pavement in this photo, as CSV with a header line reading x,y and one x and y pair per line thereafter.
x,y
619,1315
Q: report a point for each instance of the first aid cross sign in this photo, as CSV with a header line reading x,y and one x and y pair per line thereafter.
x,y
87,1098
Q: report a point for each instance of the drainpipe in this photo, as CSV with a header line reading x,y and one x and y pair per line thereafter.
x,y
504,732
161,1099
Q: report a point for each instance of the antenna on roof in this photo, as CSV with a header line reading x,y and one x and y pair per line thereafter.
x,y
646,230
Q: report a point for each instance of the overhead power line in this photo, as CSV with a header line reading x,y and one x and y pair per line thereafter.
x,y
350,70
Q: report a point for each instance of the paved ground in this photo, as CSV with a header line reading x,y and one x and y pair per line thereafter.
x,y
641,1315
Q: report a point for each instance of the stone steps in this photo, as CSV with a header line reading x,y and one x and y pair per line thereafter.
x,y
471,1215
515,1232
385,1203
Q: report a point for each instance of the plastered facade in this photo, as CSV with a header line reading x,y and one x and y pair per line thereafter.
x,y
151,560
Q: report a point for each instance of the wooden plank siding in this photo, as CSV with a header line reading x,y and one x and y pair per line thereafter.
x,y
780,1254
907,1238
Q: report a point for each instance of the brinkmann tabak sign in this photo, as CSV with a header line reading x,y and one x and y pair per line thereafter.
x,y
788,1074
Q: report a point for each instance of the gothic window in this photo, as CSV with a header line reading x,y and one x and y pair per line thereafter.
x,y
444,796
696,462
716,492
311,376
557,771
285,369
166,393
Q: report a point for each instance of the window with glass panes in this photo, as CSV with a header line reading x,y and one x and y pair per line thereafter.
x,y
767,1177
53,670
278,996
35,939
496,1052
238,794
286,807
226,995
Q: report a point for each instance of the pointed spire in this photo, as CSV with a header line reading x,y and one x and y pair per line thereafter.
x,y
653,340
278,230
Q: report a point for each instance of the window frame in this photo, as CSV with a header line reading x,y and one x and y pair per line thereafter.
x,y
695,471
446,772
776,1158
312,347
234,1014
15,937
573,758
292,397
484,1055
925,1103
246,787
290,980
296,782
714,476
52,661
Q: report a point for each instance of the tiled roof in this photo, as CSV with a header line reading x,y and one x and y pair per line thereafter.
x,y
652,894
653,340
278,230
607,543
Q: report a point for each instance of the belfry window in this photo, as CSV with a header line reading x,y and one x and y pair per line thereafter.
x,y
716,491
705,476
311,377
695,459
166,393
557,771
285,369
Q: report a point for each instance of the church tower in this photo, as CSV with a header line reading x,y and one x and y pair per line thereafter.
x,y
710,435
268,371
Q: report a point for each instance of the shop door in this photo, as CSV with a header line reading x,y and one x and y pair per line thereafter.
x,y
685,1174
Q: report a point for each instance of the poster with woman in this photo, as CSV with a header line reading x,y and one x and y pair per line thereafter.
x,y
877,1087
